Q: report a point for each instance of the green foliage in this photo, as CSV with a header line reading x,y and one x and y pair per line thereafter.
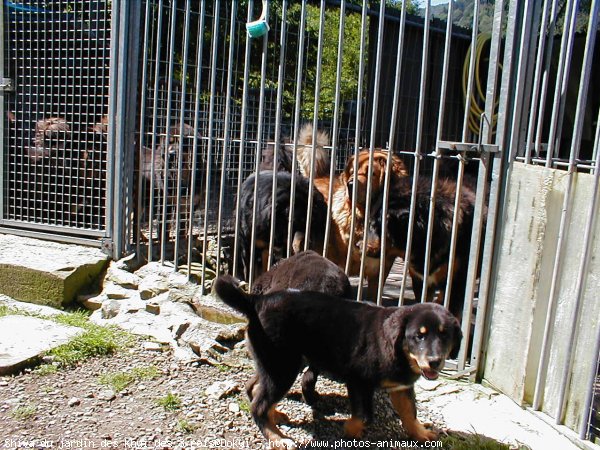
x,y
46,369
170,402
24,412
96,340
120,380
185,426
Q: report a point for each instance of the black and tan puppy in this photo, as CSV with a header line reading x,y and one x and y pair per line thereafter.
x,y
304,271
365,346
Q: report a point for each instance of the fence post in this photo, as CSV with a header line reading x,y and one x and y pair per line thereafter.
x,y
121,125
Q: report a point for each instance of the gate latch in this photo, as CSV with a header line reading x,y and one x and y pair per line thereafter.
x,y
6,85
468,147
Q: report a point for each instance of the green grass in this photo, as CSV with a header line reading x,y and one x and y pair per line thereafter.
x,y
468,441
244,405
96,340
185,426
46,369
120,380
170,402
23,412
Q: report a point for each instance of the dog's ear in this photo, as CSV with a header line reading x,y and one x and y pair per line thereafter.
x,y
457,338
398,166
348,170
394,328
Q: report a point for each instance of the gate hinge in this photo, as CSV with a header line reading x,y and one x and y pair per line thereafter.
x,y
468,147
6,85
107,246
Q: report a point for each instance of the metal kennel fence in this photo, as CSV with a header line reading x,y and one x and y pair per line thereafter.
x,y
56,64
134,124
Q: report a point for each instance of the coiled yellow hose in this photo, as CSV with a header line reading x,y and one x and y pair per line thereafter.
x,y
477,100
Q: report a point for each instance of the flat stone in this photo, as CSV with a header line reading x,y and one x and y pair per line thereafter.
x,y
23,339
44,272
221,389
122,278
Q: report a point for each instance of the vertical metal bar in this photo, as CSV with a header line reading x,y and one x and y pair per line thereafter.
x,y
165,150
359,97
537,80
186,37
242,141
587,408
334,132
299,73
3,144
438,153
211,125
497,172
579,291
311,184
380,31
151,205
392,147
461,160
584,83
227,130
562,80
523,70
140,186
278,108
418,148
112,108
131,105
563,229
199,53
261,108
545,79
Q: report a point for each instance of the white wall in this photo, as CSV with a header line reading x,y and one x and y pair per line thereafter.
x,y
524,276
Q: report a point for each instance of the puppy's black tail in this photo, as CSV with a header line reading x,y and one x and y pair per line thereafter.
x,y
227,290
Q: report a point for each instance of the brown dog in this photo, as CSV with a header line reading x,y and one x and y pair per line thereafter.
x,y
341,211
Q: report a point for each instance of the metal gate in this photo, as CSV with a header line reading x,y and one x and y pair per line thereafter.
x,y
342,83
55,86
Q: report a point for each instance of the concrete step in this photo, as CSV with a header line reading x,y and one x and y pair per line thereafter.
x,y
44,272
23,339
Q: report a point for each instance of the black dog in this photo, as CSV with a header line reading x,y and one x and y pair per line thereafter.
x,y
398,220
304,271
366,346
283,201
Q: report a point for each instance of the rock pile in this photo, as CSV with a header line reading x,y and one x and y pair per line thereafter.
x,y
156,301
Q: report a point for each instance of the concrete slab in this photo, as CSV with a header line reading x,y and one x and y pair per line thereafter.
x,y
24,338
47,273
473,408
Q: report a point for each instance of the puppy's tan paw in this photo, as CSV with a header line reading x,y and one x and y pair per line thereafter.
x,y
422,434
354,428
278,417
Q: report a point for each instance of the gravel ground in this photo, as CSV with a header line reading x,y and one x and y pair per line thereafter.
x,y
73,409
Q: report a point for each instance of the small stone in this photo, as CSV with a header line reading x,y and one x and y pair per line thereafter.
x,y
221,389
106,395
110,309
234,408
153,308
123,278
74,401
152,346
